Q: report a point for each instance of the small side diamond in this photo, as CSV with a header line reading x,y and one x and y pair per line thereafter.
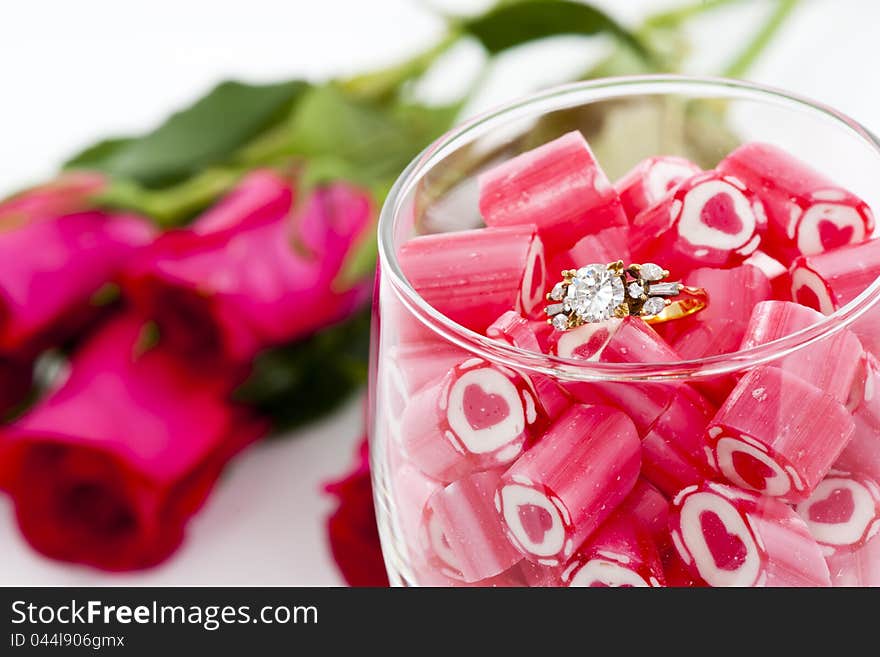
x,y
553,308
558,292
636,290
651,272
665,289
560,322
653,306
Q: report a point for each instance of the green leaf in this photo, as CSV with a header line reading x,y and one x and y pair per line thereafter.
x,y
207,133
171,206
298,383
512,24
366,142
94,156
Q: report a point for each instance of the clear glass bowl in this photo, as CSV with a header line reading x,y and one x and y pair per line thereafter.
x,y
536,524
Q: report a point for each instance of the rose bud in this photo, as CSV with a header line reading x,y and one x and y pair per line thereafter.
x,y
70,192
255,271
51,267
351,529
108,468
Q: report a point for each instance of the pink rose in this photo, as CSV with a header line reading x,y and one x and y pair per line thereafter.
x,y
257,270
70,192
351,529
108,468
50,268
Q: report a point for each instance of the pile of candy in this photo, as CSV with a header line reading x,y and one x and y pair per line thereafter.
x,y
763,477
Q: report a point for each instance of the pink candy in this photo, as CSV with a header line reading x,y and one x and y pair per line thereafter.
x,y
559,187
777,434
465,515
729,537
474,276
474,418
650,180
555,495
546,476
709,220
806,212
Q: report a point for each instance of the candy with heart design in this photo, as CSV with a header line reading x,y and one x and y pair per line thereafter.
x,y
517,331
473,276
559,492
775,271
807,213
843,513
629,340
709,220
465,515
675,451
828,281
651,180
621,554
559,187
607,245
475,417
730,537
830,364
778,435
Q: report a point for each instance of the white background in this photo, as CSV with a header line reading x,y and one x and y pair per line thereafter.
x,y
73,72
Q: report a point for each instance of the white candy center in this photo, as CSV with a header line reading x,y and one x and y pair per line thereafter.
x,y
843,217
489,438
692,228
776,484
515,497
860,506
606,573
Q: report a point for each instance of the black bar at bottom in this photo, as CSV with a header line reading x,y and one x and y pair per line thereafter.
x,y
305,621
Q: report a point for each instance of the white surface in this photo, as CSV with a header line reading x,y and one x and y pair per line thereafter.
x,y
76,71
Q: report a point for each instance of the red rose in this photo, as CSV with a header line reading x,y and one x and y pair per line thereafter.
x,y
51,267
354,537
255,271
108,468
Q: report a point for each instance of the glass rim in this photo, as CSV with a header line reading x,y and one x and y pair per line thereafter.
x,y
580,93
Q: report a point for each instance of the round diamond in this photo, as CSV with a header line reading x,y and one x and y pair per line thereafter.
x,y
558,292
636,290
560,322
653,306
595,293
651,272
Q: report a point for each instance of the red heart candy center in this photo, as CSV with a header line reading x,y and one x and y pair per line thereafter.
x,y
837,508
536,521
728,550
806,297
592,345
752,471
831,235
719,213
483,409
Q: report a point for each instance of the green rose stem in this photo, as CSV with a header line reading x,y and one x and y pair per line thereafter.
x,y
744,61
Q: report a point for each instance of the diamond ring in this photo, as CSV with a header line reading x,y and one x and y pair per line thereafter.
x,y
598,292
